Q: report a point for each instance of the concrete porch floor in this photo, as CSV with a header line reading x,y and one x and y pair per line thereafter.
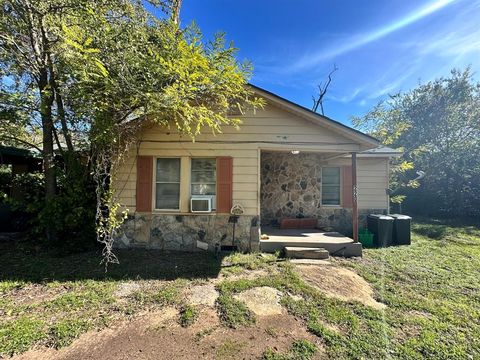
x,y
334,242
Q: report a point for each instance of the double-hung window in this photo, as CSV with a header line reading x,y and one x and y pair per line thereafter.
x,y
203,177
167,184
331,186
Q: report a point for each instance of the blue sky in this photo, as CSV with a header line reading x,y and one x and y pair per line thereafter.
x,y
379,46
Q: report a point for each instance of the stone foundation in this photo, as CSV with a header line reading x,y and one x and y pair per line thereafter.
x,y
181,232
341,219
291,188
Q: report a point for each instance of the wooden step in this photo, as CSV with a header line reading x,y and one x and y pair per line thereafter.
x,y
297,252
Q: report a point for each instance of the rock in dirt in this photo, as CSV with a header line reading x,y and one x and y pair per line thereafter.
x,y
202,295
125,289
263,301
340,283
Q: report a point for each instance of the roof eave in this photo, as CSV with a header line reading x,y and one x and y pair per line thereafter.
x,y
366,140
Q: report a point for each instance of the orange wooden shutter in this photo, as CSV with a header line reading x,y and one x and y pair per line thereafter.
x,y
144,183
347,190
224,184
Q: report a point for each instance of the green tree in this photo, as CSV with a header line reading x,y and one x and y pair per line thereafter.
x,y
142,70
437,125
99,70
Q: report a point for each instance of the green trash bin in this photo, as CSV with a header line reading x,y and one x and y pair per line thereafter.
x,y
401,229
382,228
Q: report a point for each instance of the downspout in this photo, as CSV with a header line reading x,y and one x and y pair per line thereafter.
x,y
354,197
388,182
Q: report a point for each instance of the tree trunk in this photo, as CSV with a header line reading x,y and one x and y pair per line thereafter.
x,y
46,101
63,121
176,7
60,107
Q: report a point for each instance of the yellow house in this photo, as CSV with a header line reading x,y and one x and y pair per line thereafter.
x,y
285,162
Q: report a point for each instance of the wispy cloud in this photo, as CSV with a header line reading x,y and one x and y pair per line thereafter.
x,y
346,98
387,84
358,41
392,84
450,44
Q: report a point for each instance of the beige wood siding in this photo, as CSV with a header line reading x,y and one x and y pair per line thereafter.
x,y
270,129
245,172
372,181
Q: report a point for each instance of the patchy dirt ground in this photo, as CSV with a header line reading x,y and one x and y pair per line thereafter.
x,y
156,332
339,282
35,293
135,312
159,336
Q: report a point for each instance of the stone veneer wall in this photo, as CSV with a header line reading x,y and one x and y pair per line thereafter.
x,y
341,219
291,187
181,232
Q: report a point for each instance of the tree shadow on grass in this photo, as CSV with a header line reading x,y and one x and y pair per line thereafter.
x,y
20,261
453,232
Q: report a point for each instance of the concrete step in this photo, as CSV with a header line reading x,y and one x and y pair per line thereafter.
x,y
297,252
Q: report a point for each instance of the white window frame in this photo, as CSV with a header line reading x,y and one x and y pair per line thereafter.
x,y
162,182
339,187
214,197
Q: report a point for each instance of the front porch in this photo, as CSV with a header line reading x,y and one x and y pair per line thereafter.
x,y
307,184
335,243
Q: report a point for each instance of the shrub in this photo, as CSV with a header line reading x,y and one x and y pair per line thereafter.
x,y
70,215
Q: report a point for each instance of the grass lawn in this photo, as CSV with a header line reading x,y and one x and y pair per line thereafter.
x,y
431,289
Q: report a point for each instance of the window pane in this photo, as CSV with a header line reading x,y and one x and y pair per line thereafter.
x,y
331,190
331,186
204,164
330,180
203,189
203,176
331,171
168,170
334,200
331,195
167,196
331,176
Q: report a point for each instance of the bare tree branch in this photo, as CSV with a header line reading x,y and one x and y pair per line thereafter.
x,y
29,144
322,90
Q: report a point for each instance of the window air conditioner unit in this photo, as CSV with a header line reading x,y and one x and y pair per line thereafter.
x,y
201,204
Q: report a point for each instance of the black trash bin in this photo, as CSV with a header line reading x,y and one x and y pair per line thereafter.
x,y
382,228
401,229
